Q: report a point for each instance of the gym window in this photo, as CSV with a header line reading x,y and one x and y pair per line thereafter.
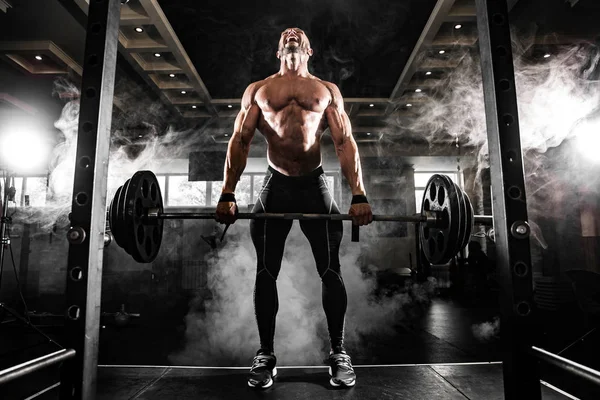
x,y
30,191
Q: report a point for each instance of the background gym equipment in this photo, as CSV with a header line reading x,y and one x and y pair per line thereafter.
x,y
445,223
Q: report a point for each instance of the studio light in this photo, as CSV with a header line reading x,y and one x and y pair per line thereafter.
x,y
23,148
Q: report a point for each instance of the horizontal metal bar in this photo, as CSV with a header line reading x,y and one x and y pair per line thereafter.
x,y
587,373
415,218
34,365
295,216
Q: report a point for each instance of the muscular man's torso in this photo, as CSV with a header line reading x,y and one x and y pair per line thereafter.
x,y
292,121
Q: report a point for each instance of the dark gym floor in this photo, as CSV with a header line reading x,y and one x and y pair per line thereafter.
x,y
386,369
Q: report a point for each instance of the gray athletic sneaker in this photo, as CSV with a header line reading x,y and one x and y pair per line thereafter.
x,y
263,370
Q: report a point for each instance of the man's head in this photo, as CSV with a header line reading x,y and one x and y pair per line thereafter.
x,y
293,41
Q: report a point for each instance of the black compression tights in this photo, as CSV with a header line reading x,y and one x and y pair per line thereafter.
x,y
306,194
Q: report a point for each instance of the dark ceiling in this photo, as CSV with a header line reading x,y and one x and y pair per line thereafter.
x,y
360,45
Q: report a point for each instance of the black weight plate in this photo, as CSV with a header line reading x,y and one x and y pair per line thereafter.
x,y
439,241
145,237
463,218
470,221
113,220
122,218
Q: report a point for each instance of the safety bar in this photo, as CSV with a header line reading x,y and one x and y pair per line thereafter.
x,y
582,371
34,365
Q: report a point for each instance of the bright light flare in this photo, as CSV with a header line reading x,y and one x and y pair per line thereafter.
x,y
23,150
587,140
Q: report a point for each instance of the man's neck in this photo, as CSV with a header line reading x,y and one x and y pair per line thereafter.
x,y
291,69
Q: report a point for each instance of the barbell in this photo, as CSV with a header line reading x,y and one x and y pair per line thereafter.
x,y
136,217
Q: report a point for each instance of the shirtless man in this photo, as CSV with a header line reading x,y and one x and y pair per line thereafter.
x,y
292,109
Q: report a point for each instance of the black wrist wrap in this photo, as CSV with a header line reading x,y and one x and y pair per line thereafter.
x,y
227,197
359,198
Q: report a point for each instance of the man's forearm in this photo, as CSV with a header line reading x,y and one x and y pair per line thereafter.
x,y
349,158
235,163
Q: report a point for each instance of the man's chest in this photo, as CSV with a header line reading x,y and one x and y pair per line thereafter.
x,y
308,94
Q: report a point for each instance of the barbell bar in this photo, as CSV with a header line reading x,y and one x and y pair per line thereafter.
x,y
428,218
446,220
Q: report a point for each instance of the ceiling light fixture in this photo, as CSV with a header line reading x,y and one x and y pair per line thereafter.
x,y
547,55
428,73
442,52
156,54
39,58
457,26
409,105
418,90
183,92
139,29
140,136
225,135
371,105
194,107
229,106
172,75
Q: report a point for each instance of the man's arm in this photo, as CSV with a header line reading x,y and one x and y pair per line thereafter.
x,y
345,145
239,144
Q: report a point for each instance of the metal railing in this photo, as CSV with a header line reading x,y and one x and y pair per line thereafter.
x,y
34,365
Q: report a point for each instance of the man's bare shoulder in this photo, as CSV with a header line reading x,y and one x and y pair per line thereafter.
x,y
336,95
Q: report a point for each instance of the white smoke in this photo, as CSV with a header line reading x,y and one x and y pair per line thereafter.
x,y
487,331
222,330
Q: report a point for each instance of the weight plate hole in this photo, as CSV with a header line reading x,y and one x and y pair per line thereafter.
x,y
445,219
145,188
432,192
153,192
426,205
140,234
439,238
441,195
138,207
